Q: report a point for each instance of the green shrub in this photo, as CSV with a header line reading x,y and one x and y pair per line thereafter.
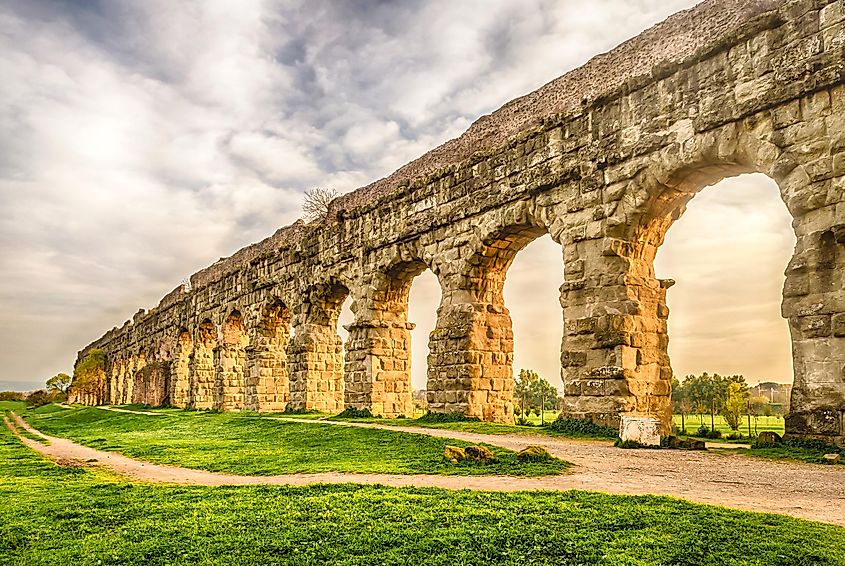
x,y
300,411
714,434
12,396
631,444
431,417
813,444
581,427
39,398
353,413
702,431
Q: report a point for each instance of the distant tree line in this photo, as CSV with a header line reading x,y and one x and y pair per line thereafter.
x,y
55,392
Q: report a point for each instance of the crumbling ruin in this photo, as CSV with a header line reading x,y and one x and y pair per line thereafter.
x,y
604,159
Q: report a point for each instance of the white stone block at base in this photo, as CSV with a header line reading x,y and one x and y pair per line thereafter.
x,y
645,430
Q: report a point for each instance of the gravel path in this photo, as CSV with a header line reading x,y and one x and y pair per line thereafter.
x,y
801,490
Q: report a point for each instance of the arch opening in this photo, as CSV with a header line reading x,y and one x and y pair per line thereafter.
x,y
471,362
730,216
726,249
532,295
378,356
424,297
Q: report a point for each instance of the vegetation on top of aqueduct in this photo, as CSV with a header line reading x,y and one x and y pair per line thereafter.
x,y
58,515
249,444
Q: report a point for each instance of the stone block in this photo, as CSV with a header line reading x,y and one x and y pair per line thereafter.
x,y
644,430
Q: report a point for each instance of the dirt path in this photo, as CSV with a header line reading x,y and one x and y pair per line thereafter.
x,y
731,480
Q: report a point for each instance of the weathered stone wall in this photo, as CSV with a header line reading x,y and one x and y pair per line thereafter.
x,y
604,159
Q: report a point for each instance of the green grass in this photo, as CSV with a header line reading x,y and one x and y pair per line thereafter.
x,y
249,444
462,426
52,515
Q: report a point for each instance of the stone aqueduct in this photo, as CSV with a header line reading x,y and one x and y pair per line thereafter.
x,y
604,159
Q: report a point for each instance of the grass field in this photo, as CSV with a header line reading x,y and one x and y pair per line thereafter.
x,y
53,515
774,424
247,444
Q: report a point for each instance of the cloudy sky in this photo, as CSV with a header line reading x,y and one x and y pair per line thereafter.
x,y
141,141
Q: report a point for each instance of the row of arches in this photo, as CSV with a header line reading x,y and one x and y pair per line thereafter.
x,y
606,179
470,355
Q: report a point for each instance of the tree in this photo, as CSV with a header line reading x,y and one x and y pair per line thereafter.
x,y
682,402
736,403
89,373
317,200
59,383
531,390
696,393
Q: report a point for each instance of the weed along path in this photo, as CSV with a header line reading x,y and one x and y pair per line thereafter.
x,y
801,490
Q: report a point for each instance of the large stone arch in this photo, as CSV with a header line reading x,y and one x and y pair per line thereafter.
x,y
630,328
471,360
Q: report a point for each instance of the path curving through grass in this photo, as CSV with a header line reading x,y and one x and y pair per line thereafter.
x,y
799,490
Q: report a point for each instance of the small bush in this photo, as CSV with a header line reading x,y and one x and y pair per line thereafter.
x,y
702,431
767,439
814,445
630,444
581,427
300,411
734,436
714,434
353,413
12,396
431,417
